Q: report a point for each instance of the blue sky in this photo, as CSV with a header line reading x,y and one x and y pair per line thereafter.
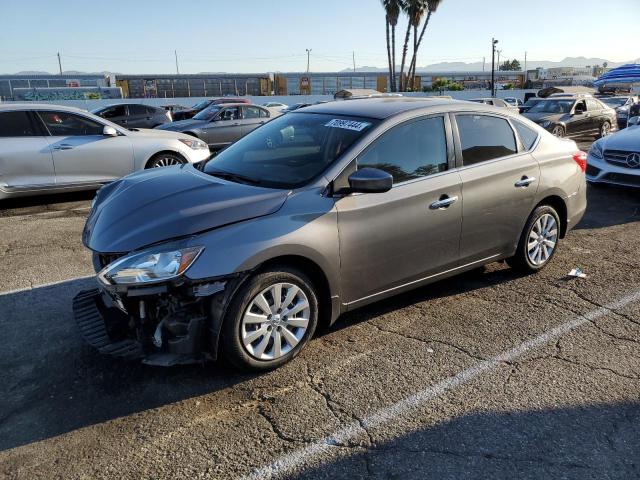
x,y
268,35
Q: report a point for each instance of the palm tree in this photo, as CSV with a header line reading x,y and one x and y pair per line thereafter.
x,y
392,9
432,6
414,10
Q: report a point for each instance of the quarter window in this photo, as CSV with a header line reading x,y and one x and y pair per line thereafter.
x,y
64,124
484,138
527,135
16,124
411,150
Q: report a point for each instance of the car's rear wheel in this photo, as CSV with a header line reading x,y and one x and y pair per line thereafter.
x,y
270,319
165,159
539,240
558,131
605,129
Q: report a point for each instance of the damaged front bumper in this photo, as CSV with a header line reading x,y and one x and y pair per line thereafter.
x,y
165,324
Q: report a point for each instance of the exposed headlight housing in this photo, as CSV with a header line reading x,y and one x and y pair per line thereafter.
x,y
150,266
195,143
596,150
545,123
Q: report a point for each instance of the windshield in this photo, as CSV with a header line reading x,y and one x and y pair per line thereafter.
x,y
614,102
208,113
201,105
290,150
552,106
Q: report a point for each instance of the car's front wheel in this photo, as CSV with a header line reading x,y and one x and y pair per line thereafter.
x,y
270,319
165,159
605,129
539,240
558,131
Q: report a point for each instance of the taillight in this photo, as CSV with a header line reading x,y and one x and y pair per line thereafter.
x,y
581,159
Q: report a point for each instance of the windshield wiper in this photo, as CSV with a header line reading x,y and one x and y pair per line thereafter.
x,y
234,177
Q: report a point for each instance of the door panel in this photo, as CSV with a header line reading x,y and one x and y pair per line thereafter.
x,y
25,161
389,239
579,123
227,128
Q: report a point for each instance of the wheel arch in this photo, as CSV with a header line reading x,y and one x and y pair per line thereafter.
x,y
560,206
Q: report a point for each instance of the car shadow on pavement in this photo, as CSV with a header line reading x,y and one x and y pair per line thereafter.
x,y
609,205
582,442
52,382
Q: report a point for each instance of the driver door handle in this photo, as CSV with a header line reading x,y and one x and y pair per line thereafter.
x,y
443,202
525,181
62,147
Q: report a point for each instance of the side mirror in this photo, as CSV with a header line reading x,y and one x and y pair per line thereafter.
x,y
633,122
370,180
109,131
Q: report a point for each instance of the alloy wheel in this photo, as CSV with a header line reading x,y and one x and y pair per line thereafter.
x,y
558,131
166,162
605,129
542,240
275,321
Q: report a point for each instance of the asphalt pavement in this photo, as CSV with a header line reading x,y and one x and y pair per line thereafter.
x,y
490,374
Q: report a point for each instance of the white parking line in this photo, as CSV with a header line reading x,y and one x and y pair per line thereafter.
x,y
43,285
287,463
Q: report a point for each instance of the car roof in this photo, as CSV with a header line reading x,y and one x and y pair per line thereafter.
x,y
38,106
382,108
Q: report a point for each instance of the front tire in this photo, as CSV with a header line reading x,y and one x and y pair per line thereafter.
x,y
270,319
605,129
165,159
539,240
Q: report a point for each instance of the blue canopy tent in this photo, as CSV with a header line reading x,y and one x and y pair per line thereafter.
x,y
626,74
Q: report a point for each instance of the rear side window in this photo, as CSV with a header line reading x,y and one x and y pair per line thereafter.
x,y
484,138
151,110
411,150
251,112
115,111
593,105
527,135
263,113
137,110
65,124
16,124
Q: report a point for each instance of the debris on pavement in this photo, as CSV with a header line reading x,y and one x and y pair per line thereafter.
x,y
577,272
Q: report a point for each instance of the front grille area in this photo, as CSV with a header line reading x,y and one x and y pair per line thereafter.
x,y
618,158
624,179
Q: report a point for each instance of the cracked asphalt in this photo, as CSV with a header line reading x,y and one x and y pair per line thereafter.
x,y
566,408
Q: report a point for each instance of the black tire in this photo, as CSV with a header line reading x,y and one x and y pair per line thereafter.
x,y
232,345
521,261
605,129
171,159
558,131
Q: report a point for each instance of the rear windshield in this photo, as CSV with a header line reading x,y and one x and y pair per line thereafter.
x,y
290,150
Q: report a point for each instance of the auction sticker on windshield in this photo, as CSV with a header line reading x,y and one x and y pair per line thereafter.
x,y
347,124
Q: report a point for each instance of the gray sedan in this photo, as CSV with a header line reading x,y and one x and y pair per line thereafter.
x,y
221,125
316,213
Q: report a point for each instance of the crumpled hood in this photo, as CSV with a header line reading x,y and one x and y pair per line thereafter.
x,y
165,203
182,125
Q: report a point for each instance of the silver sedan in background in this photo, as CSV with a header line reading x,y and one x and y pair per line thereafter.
x,y
51,148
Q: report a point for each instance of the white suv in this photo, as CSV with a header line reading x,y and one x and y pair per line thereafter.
x,y
51,148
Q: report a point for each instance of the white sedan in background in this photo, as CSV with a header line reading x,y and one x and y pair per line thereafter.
x,y
51,148
615,158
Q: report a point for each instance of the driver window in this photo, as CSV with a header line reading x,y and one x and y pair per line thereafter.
x,y
581,105
229,114
113,112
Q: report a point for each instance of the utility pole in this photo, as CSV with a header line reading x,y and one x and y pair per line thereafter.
x,y
175,52
59,64
493,66
354,61
308,52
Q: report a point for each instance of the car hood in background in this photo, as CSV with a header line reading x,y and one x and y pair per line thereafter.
x,y
182,125
170,202
542,116
627,139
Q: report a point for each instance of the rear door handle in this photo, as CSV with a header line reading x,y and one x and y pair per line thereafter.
x,y
62,147
525,181
443,202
